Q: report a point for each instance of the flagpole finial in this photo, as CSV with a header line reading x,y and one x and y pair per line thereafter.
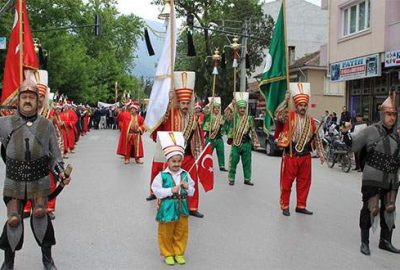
x,y
235,45
216,56
166,11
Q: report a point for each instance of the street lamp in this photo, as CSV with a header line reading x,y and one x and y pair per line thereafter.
x,y
166,11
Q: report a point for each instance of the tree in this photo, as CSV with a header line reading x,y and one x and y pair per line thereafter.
x,y
221,12
81,65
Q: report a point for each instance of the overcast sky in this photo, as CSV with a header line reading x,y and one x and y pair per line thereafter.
x,y
142,9
146,10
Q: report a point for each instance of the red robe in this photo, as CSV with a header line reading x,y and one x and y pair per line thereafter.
x,y
70,119
196,145
130,140
86,121
122,117
60,124
294,167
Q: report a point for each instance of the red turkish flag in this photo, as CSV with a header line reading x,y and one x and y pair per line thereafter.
x,y
205,169
12,71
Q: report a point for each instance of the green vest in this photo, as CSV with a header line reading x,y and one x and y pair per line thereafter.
x,y
172,207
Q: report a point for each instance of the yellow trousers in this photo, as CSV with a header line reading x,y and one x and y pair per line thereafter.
x,y
172,237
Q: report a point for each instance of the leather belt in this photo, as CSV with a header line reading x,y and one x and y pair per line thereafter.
x,y
27,171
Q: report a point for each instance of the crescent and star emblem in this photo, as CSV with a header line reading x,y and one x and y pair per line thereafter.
x,y
208,156
268,63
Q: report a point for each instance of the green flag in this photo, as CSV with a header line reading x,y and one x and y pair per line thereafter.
x,y
273,85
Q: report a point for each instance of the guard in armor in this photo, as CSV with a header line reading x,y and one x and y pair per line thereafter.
x,y
46,112
214,128
380,181
29,148
297,133
242,137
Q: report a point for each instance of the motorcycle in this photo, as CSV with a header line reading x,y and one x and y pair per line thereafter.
x,y
338,152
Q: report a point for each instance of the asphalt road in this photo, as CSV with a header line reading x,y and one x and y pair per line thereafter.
x,y
104,222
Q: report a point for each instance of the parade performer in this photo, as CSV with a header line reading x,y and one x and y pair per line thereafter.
x,y
69,118
122,117
62,127
46,112
298,136
214,128
29,148
198,113
130,140
172,187
241,136
380,180
182,119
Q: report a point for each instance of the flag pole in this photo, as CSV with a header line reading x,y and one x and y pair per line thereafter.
x,y
21,43
287,76
172,34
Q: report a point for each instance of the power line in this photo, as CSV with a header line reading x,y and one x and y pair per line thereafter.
x,y
7,6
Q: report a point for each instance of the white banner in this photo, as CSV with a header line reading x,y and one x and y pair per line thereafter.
x,y
106,105
159,97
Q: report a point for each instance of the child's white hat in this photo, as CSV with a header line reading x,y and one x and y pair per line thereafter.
x,y
172,143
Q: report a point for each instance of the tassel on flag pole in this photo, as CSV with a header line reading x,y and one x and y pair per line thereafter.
x,y
248,64
235,59
190,24
215,70
191,48
216,57
223,60
150,49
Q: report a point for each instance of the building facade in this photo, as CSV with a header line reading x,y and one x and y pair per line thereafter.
x,y
313,69
307,30
364,51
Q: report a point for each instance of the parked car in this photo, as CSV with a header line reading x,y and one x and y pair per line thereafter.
x,y
267,142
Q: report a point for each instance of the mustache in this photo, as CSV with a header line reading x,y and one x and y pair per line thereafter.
x,y
27,103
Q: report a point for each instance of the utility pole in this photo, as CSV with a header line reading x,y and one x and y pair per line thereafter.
x,y
243,53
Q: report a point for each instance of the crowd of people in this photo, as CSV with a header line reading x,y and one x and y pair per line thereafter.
x,y
187,128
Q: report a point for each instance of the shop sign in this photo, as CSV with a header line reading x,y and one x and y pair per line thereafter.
x,y
356,68
392,58
3,43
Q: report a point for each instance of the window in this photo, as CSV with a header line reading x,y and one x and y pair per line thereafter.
x,y
356,18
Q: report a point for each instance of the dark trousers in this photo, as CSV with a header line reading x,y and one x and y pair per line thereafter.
x,y
48,240
365,215
357,159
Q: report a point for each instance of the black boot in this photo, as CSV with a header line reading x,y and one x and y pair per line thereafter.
x,y
8,263
364,249
48,262
151,197
385,242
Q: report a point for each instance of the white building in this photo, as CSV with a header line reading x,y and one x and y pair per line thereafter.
x,y
307,26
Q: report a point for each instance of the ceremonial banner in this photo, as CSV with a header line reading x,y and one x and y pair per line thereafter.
x,y
273,85
159,97
205,167
12,69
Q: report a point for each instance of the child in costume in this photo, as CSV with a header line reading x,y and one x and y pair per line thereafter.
x,y
171,187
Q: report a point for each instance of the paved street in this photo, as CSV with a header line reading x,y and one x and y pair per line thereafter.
x,y
104,222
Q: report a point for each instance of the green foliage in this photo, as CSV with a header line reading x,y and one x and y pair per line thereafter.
x,y
81,65
232,14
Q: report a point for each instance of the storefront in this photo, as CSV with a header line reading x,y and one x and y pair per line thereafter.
x,y
368,82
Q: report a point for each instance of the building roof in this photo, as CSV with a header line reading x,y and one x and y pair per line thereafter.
x,y
312,59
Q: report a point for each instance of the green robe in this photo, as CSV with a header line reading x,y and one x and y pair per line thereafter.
x,y
215,126
243,135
